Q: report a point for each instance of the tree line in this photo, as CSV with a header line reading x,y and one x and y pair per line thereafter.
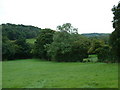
x,y
63,45
13,31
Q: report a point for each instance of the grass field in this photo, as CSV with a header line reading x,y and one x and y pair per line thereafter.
x,y
31,40
33,73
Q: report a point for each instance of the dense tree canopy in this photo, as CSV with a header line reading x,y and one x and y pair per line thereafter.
x,y
45,37
15,50
104,53
64,45
68,47
95,44
13,31
8,50
115,36
22,48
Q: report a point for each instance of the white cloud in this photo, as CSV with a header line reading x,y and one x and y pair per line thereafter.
x,y
86,15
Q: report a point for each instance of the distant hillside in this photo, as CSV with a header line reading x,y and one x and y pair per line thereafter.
x,y
13,31
95,34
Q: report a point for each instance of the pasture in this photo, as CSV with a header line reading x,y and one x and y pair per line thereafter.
x,y
34,73
31,41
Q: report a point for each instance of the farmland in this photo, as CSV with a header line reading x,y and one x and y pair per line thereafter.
x,y
35,73
65,57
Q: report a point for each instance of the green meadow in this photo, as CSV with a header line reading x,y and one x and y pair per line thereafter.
x,y
31,41
35,73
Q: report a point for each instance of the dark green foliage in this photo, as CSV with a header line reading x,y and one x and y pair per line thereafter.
x,y
104,53
14,32
95,44
45,37
8,49
115,36
67,47
79,51
18,48
102,49
15,50
22,49
59,50
98,36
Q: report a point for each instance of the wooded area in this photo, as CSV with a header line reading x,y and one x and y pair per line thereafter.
x,y
60,45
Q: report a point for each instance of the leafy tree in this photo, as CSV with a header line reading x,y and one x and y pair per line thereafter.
x,y
45,37
15,50
115,36
59,47
8,49
22,48
67,47
104,53
95,44
79,51
67,27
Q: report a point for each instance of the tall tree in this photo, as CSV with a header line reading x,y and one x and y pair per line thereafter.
x,y
45,37
22,48
115,36
67,27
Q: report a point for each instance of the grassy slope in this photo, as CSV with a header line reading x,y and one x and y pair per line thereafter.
x,y
32,73
31,40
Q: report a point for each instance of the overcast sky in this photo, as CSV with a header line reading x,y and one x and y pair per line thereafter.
x,y
88,16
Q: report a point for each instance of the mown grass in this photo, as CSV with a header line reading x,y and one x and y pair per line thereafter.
x,y
31,41
33,73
